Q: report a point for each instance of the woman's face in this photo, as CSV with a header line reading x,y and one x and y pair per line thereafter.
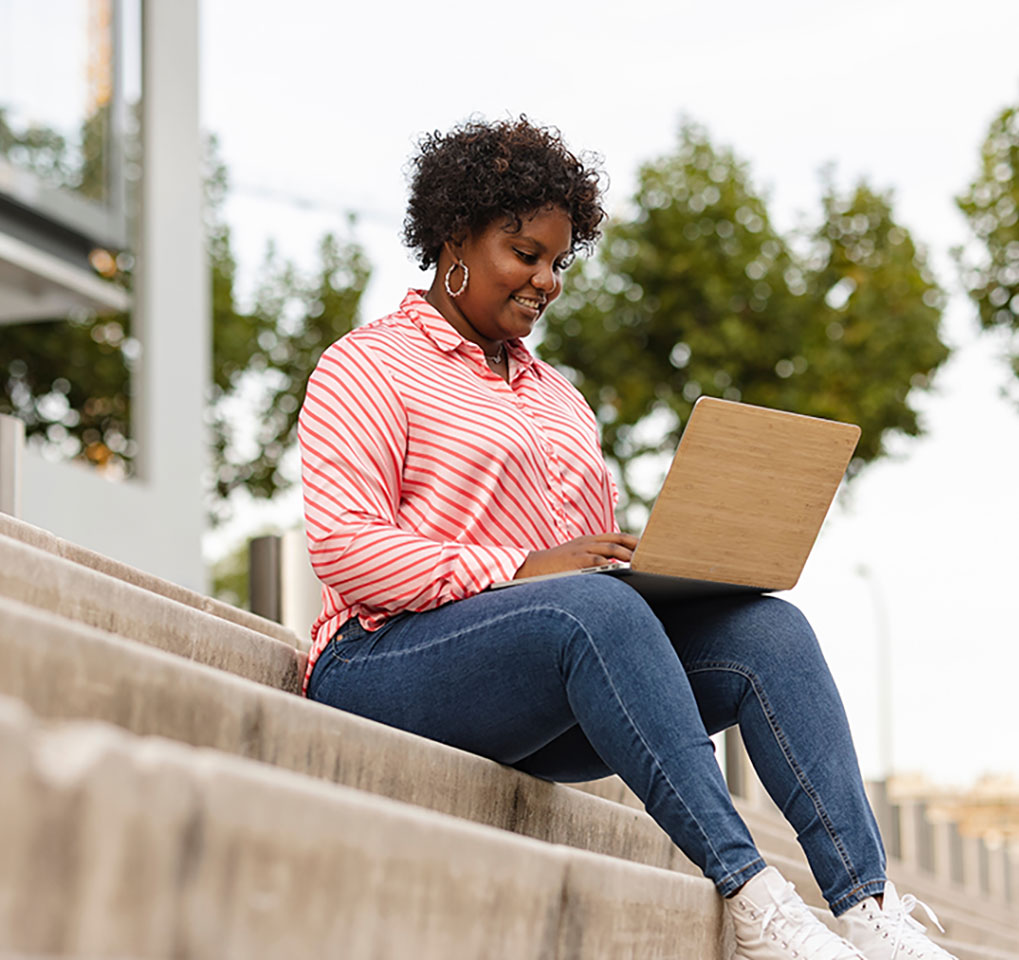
x,y
515,273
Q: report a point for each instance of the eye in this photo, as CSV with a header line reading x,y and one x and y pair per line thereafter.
x,y
528,258
564,263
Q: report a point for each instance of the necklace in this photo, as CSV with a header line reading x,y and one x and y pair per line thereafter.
x,y
495,359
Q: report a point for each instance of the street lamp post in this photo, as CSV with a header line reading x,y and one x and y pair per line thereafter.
x,y
883,638
884,671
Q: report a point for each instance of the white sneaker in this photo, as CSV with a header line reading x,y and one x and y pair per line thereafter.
x,y
889,932
773,923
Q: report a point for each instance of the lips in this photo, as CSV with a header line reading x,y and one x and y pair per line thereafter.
x,y
529,303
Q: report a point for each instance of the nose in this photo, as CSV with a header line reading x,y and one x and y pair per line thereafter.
x,y
544,278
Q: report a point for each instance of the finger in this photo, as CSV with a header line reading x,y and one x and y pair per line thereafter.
x,y
613,551
627,540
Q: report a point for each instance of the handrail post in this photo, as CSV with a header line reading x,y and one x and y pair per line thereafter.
x,y
12,446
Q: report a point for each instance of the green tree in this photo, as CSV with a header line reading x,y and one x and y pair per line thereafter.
x,y
43,151
991,205
698,293
267,354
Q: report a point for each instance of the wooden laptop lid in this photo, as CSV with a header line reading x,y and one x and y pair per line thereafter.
x,y
746,495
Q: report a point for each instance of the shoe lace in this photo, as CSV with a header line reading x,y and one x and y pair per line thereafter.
x,y
908,932
802,930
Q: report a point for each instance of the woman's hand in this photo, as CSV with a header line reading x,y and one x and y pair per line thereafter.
x,y
579,553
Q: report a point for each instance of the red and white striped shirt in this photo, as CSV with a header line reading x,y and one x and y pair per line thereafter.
x,y
427,477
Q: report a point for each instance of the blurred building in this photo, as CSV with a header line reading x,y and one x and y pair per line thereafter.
x,y
989,809
968,837
99,76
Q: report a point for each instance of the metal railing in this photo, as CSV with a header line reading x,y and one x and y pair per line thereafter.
x,y
985,869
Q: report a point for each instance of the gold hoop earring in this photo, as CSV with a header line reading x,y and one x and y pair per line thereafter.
x,y
449,274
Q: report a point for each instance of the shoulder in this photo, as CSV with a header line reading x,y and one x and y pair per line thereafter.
x,y
354,382
368,351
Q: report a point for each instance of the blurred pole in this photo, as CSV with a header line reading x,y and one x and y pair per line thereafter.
x,y
300,588
265,596
12,445
884,672
735,762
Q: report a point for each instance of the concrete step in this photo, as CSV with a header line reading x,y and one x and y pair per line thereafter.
x,y
118,846
67,670
115,846
81,593
44,540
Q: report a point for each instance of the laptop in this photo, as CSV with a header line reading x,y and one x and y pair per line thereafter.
x,y
741,505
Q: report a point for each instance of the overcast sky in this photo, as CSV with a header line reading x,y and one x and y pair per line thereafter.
x,y
317,106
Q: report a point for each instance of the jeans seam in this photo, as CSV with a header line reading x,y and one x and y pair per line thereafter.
x,y
637,730
783,744
445,638
731,881
869,888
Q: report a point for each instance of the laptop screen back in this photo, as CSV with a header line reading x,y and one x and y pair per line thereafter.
x,y
746,495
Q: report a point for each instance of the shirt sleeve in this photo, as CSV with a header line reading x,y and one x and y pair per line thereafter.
x,y
353,433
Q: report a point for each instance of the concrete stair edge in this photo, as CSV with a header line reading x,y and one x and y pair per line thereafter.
x,y
244,859
42,539
149,691
50,582
124,680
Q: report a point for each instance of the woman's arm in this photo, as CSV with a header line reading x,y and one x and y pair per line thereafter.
x,y
353,433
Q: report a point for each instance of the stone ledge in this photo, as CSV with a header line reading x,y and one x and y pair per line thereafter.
x,y
44,540
66,670
117,846
79,593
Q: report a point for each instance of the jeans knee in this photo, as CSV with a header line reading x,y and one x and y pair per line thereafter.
x,y
790,642
611,597
603,606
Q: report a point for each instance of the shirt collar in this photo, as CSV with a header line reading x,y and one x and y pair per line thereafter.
x,y
442,333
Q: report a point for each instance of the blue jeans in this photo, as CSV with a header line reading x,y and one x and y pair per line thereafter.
x,y
576,679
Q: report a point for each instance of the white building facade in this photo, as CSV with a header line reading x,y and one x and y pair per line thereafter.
x,y
48,243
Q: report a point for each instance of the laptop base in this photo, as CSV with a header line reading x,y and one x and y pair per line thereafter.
x,y
653,587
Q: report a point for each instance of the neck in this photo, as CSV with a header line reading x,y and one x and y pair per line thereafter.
x,y
457,319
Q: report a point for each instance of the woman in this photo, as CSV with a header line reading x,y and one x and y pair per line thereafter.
x,y
439,457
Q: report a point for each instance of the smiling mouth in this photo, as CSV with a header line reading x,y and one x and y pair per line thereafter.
x,y
535,305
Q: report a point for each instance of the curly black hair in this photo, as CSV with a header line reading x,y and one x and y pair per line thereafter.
x,y
462,180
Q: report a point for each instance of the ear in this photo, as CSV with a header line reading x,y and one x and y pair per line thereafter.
x,y
455,247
